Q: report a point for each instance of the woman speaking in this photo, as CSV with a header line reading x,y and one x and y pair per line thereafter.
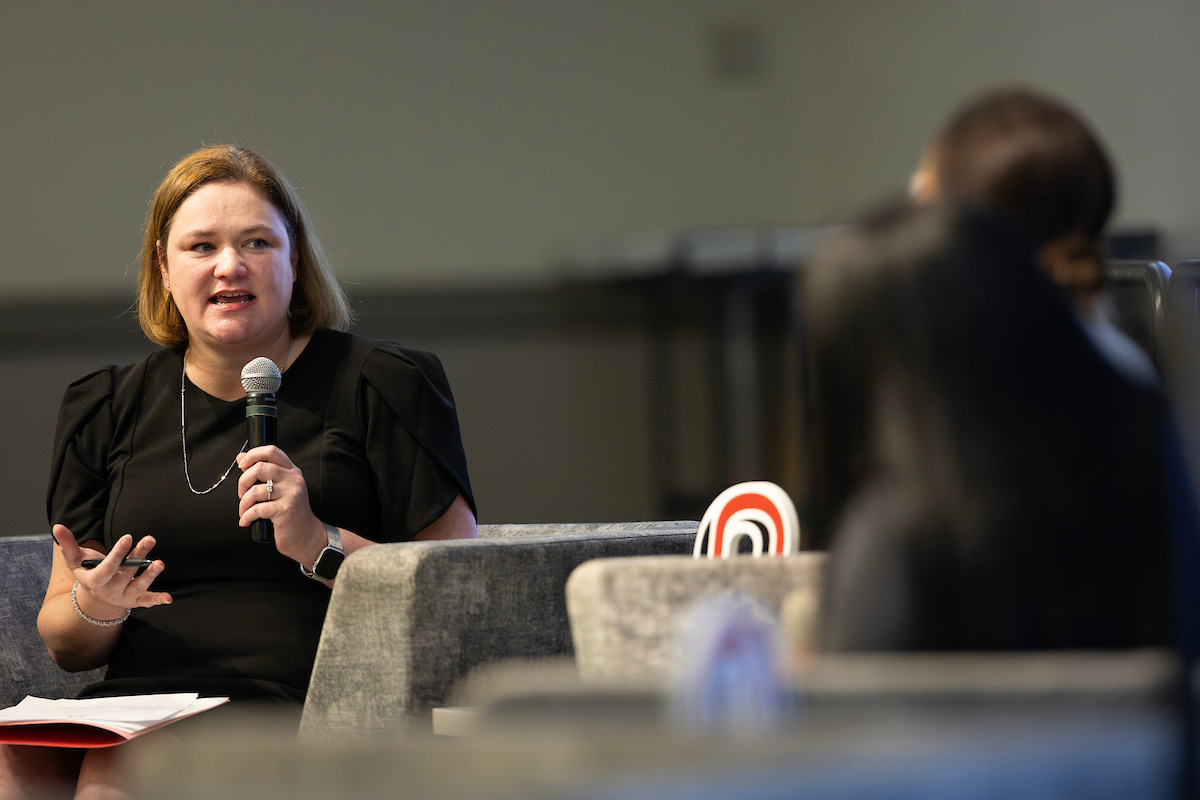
x,y
153,461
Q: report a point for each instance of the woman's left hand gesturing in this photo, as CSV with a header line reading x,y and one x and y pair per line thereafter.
x,y
272,487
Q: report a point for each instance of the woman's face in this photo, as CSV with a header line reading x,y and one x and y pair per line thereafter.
x,y
230,267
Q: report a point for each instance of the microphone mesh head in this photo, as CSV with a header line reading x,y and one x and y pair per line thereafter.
x,y
261,375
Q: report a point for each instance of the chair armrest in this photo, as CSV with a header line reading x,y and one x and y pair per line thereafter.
x,y
407,621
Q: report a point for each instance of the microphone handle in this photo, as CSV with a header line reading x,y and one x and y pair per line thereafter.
x,y
260,430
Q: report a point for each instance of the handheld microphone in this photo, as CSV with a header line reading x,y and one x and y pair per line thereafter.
x,y
261,380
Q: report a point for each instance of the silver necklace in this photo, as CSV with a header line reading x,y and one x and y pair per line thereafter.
x,y
183,428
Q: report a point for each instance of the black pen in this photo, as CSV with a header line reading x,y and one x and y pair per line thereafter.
x,y
140,563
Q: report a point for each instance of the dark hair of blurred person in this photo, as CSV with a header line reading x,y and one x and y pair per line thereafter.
x,y
987,479
1037,160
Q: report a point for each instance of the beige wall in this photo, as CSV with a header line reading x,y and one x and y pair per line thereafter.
x,y
478,141
880,75
432,141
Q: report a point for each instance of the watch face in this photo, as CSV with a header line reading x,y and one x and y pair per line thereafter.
x,y
328,563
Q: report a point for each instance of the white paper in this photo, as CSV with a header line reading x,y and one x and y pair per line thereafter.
x,y
129,713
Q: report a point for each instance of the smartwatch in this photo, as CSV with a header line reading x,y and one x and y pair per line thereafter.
x,y
326,567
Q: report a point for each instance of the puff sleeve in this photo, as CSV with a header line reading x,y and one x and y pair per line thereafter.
x,y
79,481
412,438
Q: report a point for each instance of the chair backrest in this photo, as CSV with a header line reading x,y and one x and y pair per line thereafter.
x,y
1183,291
1138,290
1135,675
625,613
407,621
25,666
511,529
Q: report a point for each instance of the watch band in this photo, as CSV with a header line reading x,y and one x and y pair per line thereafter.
x,y
334,535
329,561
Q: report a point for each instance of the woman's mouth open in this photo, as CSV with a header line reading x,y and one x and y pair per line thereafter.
x,y
230,298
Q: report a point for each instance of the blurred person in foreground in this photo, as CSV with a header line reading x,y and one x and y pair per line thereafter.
x,y
151,461
988,479
1032,157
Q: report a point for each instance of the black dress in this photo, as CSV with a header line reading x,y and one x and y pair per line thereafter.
x,y
374,429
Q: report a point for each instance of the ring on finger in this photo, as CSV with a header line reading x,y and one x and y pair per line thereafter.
x,y
270,488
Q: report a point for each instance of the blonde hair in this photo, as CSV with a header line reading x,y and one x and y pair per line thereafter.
x,y
318,300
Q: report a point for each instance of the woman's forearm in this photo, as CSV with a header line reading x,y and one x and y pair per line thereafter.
x,y
74,643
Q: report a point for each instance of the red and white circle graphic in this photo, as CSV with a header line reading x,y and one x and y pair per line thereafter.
x,y
756,510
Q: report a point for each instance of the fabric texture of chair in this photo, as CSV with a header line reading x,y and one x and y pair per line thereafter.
x,y
407,621
625,613
24,661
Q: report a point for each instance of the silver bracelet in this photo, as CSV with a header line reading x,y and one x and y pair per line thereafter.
x,y
103,623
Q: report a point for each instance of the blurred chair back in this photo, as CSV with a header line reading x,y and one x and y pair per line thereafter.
x,y
625,613
406,621
1183,293
1138,290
